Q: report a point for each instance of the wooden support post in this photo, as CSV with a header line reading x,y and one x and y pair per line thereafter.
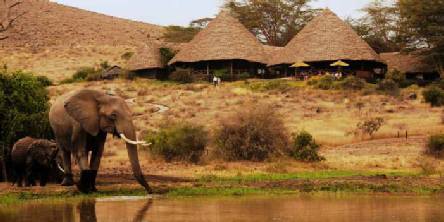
x,y
208,68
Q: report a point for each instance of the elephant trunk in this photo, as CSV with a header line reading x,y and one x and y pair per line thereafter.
x,y
133,156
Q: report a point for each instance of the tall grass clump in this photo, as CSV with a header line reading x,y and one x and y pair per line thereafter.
x,y
305,148
435,145
179,142
254,134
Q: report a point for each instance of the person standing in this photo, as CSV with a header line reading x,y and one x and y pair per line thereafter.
x,y
215,81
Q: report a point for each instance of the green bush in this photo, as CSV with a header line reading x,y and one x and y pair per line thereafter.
x,y
435,145
352,83
87,74
45,81
389,87
254,134
23,108
434,96
223,74
270,85
182,76
326,82
305,148
179,142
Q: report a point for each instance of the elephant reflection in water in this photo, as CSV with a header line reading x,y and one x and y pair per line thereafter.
x,y
87,211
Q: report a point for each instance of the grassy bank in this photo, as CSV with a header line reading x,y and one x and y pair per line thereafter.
x,y
259,184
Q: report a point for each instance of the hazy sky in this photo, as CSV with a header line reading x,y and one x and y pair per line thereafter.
x,y
181,12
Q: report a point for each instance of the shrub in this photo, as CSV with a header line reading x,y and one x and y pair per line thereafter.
x,y
127,55
435,145
180,142
223,74
270,85
305,148
389,87
45,81
253,134
369,126
23,108
434,96
352,83
397,76
325,82
182,76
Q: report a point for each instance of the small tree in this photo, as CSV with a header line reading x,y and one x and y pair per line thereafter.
x,y
305,148
369,126
434,96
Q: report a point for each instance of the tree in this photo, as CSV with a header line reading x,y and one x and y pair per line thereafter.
x,y
381,27
10,11
425,19
274,22
200,23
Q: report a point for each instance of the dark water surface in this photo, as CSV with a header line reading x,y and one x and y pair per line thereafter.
x,y
254,209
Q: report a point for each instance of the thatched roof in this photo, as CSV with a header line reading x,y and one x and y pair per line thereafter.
x,y
272,51
147,57
325,38
407,63
225,38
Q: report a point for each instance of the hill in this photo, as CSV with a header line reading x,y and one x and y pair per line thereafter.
x,y
52,39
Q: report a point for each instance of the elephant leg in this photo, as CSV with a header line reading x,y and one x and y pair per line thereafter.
x,y
20,178
68,177
96,156
84,185
44,177
29,176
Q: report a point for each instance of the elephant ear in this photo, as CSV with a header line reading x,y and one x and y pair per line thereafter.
x,y
84,108
36,151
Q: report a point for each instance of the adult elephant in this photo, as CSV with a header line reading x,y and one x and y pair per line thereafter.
x,y
81,121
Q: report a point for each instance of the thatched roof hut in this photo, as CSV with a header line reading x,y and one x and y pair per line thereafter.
x,y
406,62
325,38
147,57
225,38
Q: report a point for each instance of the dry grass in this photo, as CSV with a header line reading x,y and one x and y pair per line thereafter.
x,y
327,115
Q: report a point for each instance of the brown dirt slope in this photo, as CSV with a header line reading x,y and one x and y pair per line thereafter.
x,y
55,40
49,24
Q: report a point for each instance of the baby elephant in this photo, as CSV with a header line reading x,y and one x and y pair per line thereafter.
x,y
33,158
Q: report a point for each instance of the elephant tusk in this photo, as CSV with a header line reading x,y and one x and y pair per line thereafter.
x,y
134,142
60,168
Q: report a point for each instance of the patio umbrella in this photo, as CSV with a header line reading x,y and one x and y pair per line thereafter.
x,y
300,64
339,63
